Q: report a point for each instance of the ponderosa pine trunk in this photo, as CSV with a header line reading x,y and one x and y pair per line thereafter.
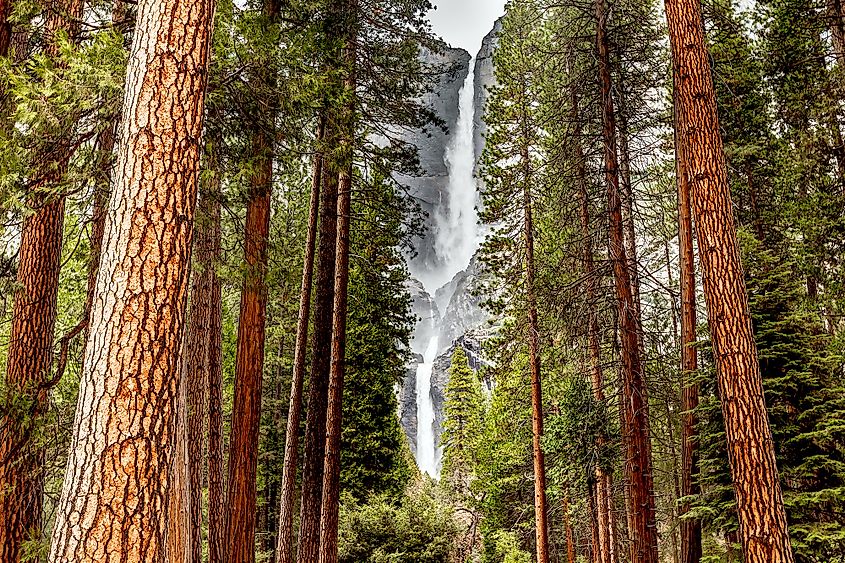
x,y
690,527
334,415
604,537
30,351
321,342
762,518
241,494
196,365
284,542
179,498
216,504
635,429
533,328
118,472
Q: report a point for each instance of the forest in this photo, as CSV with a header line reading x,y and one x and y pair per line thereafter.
x,y
296,281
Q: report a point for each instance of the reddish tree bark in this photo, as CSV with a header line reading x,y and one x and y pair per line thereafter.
x,y
216,506
334,415
690,527
540,507
284,549
118,473
315,423
249,368
762,518
635,429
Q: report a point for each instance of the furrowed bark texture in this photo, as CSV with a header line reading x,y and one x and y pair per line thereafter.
x,y
117,480
30,352
334,416
635,429
690,527
762,519
284,549
321,341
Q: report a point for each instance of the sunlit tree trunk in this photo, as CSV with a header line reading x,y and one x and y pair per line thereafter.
x,y
635,430
284,549
762,519
117,481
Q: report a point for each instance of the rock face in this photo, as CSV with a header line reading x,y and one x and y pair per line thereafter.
x,y
431,144
485,79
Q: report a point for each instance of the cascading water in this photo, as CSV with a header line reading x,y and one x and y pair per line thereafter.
x,y
456,238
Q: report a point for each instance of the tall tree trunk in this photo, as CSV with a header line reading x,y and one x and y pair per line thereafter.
x,y
196,363
762,519
30,352
540,508
117,480
635,430
246,410
690,527
179,500
249,368
603,497
216,506
284,550
567,526
321,341
334,415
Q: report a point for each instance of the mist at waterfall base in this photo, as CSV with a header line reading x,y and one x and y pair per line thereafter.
x,y
456,239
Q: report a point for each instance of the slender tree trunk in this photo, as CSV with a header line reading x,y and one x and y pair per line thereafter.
x,y
567,526
249,369
284,550
315,423
117,481
635,430
603,497
216,506
196,365
540,508
179,499
246,413
690,527
331,470
30,352
762,519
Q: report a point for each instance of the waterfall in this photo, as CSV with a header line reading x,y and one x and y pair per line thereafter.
x,y
426,447
456,238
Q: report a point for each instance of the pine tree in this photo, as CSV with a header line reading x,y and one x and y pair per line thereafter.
x,y
462,422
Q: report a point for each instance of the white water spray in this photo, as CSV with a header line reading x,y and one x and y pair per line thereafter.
x,y
456,238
